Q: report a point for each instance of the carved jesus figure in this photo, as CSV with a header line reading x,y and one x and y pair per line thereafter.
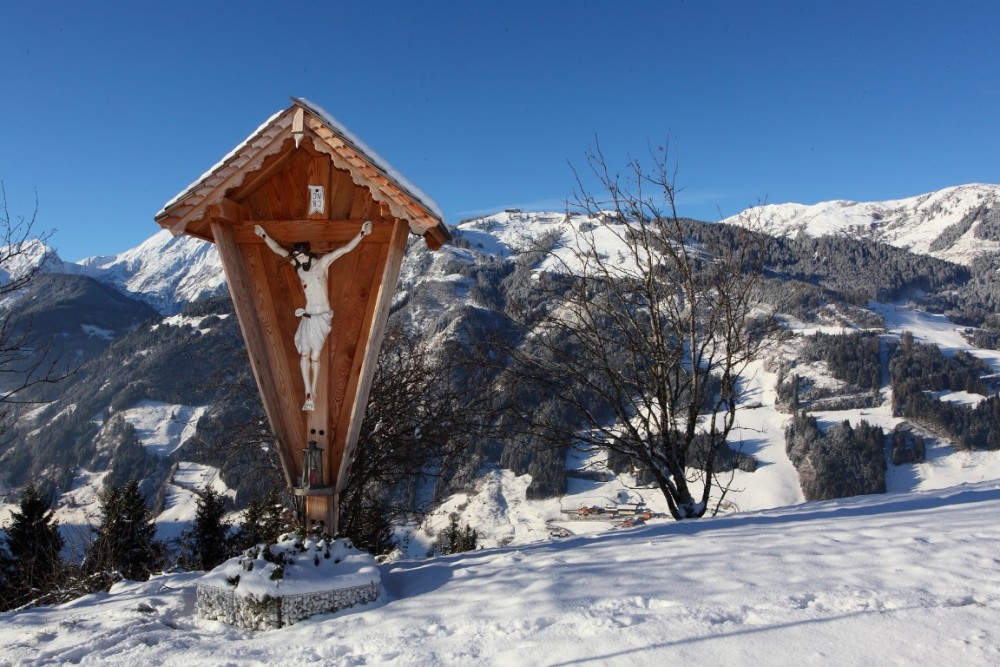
x,y
315,318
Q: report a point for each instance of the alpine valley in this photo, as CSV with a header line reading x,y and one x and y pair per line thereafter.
x,y
889,320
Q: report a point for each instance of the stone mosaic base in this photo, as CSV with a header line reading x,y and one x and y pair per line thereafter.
x,y
272,612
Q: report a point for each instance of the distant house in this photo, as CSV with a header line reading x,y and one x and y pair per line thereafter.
x,y
631,509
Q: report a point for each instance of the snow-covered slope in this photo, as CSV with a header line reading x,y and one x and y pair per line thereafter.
x,y
498,510
565,235
895,579
171,271
914,223
165,271
34,255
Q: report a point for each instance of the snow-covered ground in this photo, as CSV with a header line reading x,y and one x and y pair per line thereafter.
x,y
899,578
163,427
181,500
500,514
498,511
892,579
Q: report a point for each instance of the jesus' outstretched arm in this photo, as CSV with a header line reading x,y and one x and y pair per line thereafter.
x,y
331,257
271,243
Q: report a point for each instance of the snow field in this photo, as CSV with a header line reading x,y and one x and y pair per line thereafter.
x,y
893,579
162,427
181,501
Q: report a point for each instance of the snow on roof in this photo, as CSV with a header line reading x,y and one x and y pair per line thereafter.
x,y
377,161
359,146
218,165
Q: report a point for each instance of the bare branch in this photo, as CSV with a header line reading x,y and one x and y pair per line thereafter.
x,y
24,359
654,320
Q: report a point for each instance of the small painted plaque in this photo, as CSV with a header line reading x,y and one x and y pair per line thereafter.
x,y
317,199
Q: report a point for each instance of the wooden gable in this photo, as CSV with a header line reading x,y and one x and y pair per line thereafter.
x,y
266,181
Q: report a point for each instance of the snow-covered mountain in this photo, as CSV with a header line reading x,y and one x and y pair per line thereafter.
x,y
35,256
956,224
459,292
164,271
866,568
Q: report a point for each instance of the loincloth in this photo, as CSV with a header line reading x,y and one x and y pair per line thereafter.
x,y
312,332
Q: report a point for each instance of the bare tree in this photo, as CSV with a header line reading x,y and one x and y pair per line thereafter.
x,y
421,416
656,319
23,358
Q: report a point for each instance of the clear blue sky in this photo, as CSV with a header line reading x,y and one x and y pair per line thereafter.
x,y
110,109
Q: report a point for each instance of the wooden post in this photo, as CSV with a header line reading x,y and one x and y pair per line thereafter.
x,y
256,319
394,261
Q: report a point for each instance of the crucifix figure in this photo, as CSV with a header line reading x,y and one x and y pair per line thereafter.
x,y
315,318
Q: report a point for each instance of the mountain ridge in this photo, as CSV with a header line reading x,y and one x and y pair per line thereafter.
x,y
168,272
919,224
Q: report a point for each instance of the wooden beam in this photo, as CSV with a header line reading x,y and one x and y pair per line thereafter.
x,y
376,330
227,212
236,174
297,122
197,235
320,508
266,372
318,232
434,238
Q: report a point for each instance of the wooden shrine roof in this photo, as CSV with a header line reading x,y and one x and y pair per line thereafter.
x,y
273,143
